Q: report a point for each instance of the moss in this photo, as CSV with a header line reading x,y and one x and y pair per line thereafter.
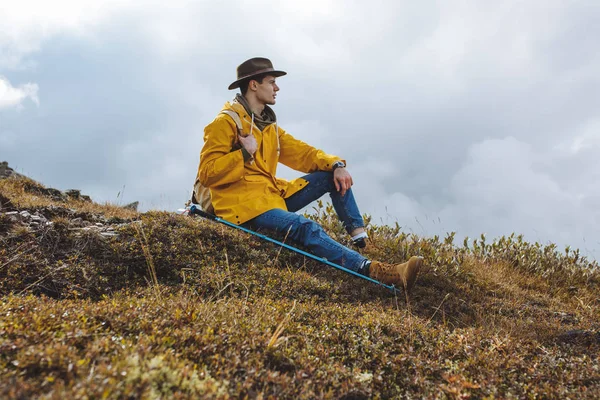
x,y
179,307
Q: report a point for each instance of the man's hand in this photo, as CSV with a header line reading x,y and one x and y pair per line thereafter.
x,y
249,143
342,179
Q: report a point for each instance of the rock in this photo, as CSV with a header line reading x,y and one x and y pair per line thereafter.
x,y
37,218
73,194
580,336
54,194
566,318
5,203
7,172
132,206
34,187
109,234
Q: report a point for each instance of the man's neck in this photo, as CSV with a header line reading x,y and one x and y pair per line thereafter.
x,y
256,106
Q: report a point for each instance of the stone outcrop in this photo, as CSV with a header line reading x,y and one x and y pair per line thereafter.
x,y
7,172
78,222
132,206
55,194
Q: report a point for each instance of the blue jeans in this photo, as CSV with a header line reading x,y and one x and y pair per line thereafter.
x,y
309,233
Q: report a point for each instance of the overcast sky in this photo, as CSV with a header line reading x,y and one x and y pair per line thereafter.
x,y
469,116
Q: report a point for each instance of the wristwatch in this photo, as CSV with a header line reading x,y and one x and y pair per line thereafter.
x,y
338,164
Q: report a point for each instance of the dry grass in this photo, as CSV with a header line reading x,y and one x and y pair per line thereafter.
x,y
28,194
223,315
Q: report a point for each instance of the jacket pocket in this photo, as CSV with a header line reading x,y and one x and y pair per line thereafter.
x,y
259,185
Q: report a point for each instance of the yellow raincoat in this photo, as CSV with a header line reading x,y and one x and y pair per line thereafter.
x,y
243,190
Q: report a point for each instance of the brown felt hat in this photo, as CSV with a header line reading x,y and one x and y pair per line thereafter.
x,y
253,67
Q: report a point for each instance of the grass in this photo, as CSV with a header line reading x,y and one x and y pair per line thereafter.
x,y
178,307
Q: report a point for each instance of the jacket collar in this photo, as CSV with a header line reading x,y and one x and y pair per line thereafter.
x,y
240,105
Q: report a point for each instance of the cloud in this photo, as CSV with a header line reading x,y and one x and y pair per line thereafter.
x,y
505,186
471,117
27,24
13,96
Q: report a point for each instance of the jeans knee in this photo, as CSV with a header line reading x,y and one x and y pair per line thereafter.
x,y
328,179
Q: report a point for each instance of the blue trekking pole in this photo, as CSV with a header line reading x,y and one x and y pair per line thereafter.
x,y
194,209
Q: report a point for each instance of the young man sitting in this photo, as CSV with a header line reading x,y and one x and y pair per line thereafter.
x,y
239,168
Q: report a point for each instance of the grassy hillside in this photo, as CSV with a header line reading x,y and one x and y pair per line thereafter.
x,y
103,302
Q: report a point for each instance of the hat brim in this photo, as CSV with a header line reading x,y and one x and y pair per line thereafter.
x,y
276,74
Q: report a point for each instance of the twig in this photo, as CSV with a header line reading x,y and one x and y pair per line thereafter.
x,y
438,308
280,328
147,256
228,273
41,279
220,291
16,257
284,239
410,321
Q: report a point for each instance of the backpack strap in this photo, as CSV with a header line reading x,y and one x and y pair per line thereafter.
x,y
238,122
236,118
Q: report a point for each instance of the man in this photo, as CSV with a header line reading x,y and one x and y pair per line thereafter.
x,y
239,167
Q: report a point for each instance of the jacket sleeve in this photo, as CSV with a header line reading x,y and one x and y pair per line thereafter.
x,y
219,163
300,156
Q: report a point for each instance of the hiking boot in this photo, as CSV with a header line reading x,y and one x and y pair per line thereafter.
x,y
403,275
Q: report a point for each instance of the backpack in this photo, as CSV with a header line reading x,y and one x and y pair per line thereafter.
x,y
200,194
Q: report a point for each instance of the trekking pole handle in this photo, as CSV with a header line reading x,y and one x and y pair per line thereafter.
x,y
194,209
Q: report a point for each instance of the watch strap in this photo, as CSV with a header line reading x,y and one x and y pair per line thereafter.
x,y
338,164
